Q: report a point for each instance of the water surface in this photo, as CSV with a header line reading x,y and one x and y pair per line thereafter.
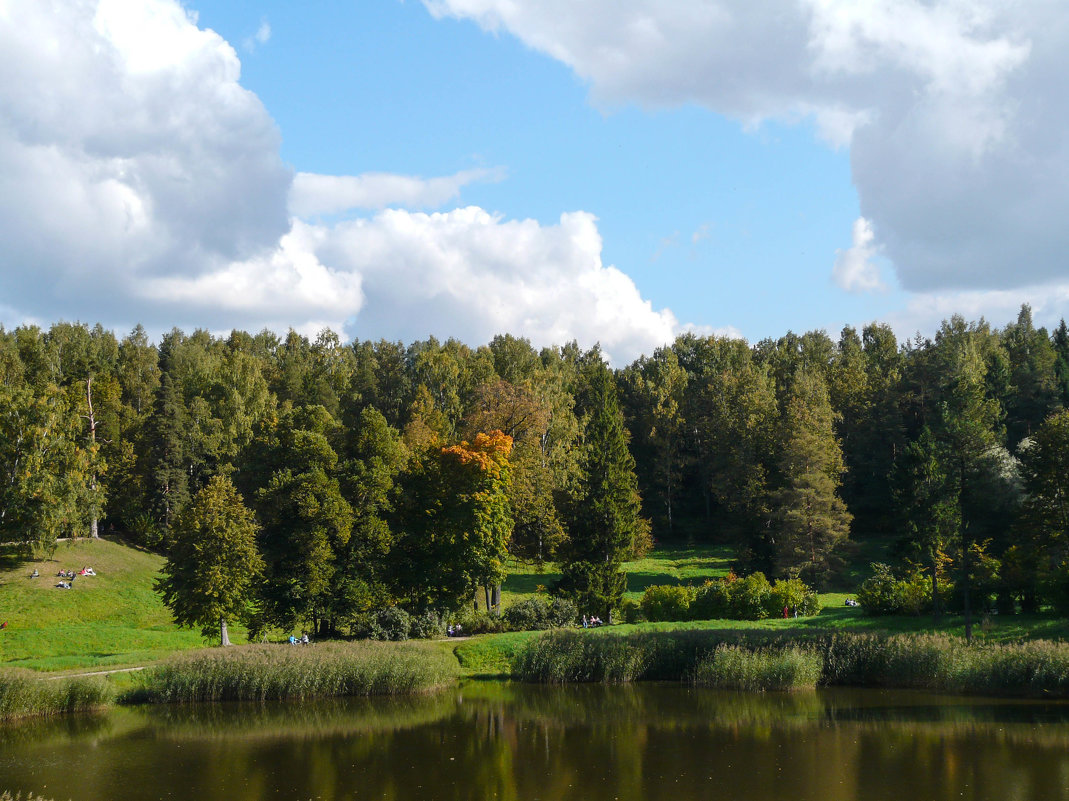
x,y
508,741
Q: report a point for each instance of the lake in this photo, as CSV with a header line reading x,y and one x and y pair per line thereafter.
x,y
495,740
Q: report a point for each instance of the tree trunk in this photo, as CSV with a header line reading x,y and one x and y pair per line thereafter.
x,y
486,596
224,638
496,597
93,526
936,612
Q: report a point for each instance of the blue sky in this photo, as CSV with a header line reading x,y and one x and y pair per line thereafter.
x,y
401,169
728,227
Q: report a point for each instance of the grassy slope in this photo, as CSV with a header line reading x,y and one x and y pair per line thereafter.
x,y
111,619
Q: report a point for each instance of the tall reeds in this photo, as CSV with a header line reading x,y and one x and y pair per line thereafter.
x,y
730,667
25,694
791,659
273,672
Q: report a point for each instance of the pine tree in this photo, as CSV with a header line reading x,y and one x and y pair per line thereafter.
x,y
813,520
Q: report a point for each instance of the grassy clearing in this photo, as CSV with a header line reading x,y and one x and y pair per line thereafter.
x,y
668,564
108,620
276,672
24,694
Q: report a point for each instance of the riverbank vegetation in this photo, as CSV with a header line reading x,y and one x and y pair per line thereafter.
x,y
793,659
267,673
25,694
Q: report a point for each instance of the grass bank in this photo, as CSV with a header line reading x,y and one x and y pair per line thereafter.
x,y
770,660
109,620
24,694
274,672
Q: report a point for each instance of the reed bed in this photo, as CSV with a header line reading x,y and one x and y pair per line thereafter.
x,y
730,667
25,694
273,672
920,661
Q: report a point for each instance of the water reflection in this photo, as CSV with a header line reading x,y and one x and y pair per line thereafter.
x,y
507,741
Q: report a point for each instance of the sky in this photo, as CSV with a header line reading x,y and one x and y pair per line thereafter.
x,y
613,171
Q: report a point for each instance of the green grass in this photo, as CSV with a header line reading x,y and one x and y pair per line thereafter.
x,y
668,564
25,694
108,620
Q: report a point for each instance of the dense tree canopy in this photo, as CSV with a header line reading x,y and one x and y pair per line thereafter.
x,y
376,477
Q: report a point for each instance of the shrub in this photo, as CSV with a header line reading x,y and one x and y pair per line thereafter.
x,y
793,594
472,622
883,593
712,600
751,597
531,614
392,623
428,625
562,612
630,611
666,602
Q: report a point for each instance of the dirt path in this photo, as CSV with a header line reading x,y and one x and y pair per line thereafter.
x,y
95,673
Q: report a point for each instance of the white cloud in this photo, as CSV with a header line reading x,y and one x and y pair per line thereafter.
x,y
261,37
953,110
925,311
139,182
469,274
855,270
313,195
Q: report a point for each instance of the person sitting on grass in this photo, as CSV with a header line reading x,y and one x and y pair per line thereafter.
x,y
35,574
304,638
293,640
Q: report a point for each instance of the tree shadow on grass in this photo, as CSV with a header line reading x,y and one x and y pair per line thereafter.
x,y
520,583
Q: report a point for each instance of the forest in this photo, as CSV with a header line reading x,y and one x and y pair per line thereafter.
x,y
302,482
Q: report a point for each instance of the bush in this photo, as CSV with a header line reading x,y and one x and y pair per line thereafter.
x,y
751,598
472,622
630,611
794,595
711,601
428,625
883,593
667,602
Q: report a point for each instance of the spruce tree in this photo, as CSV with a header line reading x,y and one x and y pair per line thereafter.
x,y
605,517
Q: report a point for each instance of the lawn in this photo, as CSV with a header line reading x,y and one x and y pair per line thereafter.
x,y
109,620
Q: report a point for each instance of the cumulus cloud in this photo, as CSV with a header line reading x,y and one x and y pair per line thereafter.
x,y
469,274
313,195
953,110
855,270
140,182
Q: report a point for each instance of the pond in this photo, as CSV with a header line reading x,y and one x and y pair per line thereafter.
x,y
492,740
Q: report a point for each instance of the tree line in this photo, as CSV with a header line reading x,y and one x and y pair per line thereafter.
x,y
375,473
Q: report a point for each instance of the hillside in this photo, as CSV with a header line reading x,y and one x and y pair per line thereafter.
x,y
113,618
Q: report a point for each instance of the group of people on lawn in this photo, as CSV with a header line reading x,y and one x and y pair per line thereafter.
x,y
66,577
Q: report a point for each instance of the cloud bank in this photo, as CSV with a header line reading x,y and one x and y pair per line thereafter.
x,y
139,181
954,110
